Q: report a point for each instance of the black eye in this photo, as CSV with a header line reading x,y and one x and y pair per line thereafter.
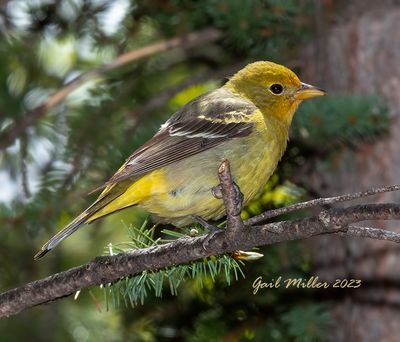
x,y
276,88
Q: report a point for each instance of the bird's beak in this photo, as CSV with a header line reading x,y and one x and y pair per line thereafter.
x,y
308,91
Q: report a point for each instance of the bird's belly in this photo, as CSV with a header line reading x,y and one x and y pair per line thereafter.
x,y
185,188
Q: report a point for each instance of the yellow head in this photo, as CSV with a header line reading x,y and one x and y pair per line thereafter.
x,y
273,88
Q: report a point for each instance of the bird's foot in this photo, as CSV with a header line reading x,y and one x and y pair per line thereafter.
x,y
213,230
238,197
217,191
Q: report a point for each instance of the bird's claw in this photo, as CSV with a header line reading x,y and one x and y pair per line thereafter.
x,y
217,193
213,230
238,199
210,236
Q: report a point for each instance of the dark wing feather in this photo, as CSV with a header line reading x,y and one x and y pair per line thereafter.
x,y
177,142
197,127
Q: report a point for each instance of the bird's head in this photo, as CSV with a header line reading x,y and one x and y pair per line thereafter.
x,y
273,88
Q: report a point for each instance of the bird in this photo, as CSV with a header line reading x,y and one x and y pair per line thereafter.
x,y
173,176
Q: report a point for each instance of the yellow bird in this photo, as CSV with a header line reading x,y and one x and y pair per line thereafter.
x,y
173,175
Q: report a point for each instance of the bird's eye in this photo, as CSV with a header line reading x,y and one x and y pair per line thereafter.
x,y
276,88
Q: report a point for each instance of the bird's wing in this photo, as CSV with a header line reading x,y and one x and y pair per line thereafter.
x,y
176,142
187,134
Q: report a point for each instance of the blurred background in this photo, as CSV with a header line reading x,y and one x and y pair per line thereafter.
x,y
71,111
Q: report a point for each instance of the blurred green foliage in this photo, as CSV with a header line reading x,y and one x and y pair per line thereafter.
x,y
50,167
339,120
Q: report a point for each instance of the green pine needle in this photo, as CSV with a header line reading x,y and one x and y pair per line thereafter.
x,y
134,290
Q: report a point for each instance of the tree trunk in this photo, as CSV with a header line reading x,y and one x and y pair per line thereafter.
x,y
361,55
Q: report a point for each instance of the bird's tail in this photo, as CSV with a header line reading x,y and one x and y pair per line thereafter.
x,y
61,235
115,197
87,216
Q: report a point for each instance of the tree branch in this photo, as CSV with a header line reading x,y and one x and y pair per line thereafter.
x,y
186,41
373,233
232,198
108,269
319,202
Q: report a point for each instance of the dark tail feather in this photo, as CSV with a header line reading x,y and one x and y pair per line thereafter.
x,y
76,224
61,235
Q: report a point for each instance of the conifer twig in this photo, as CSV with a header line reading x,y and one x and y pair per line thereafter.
x,y
372,233
320,202
109,269
186,41
232,198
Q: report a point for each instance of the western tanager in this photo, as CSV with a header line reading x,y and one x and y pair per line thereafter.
x,y
173,175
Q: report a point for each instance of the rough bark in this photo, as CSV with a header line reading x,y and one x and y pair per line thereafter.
x,y
361,55
237,235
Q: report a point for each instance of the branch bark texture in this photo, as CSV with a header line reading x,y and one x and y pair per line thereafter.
x,y
238,235
106,269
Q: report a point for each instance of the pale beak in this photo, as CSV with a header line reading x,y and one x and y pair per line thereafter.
x,y
308,91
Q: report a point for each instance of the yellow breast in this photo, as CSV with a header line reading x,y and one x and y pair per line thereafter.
x,y
184,188
179,190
